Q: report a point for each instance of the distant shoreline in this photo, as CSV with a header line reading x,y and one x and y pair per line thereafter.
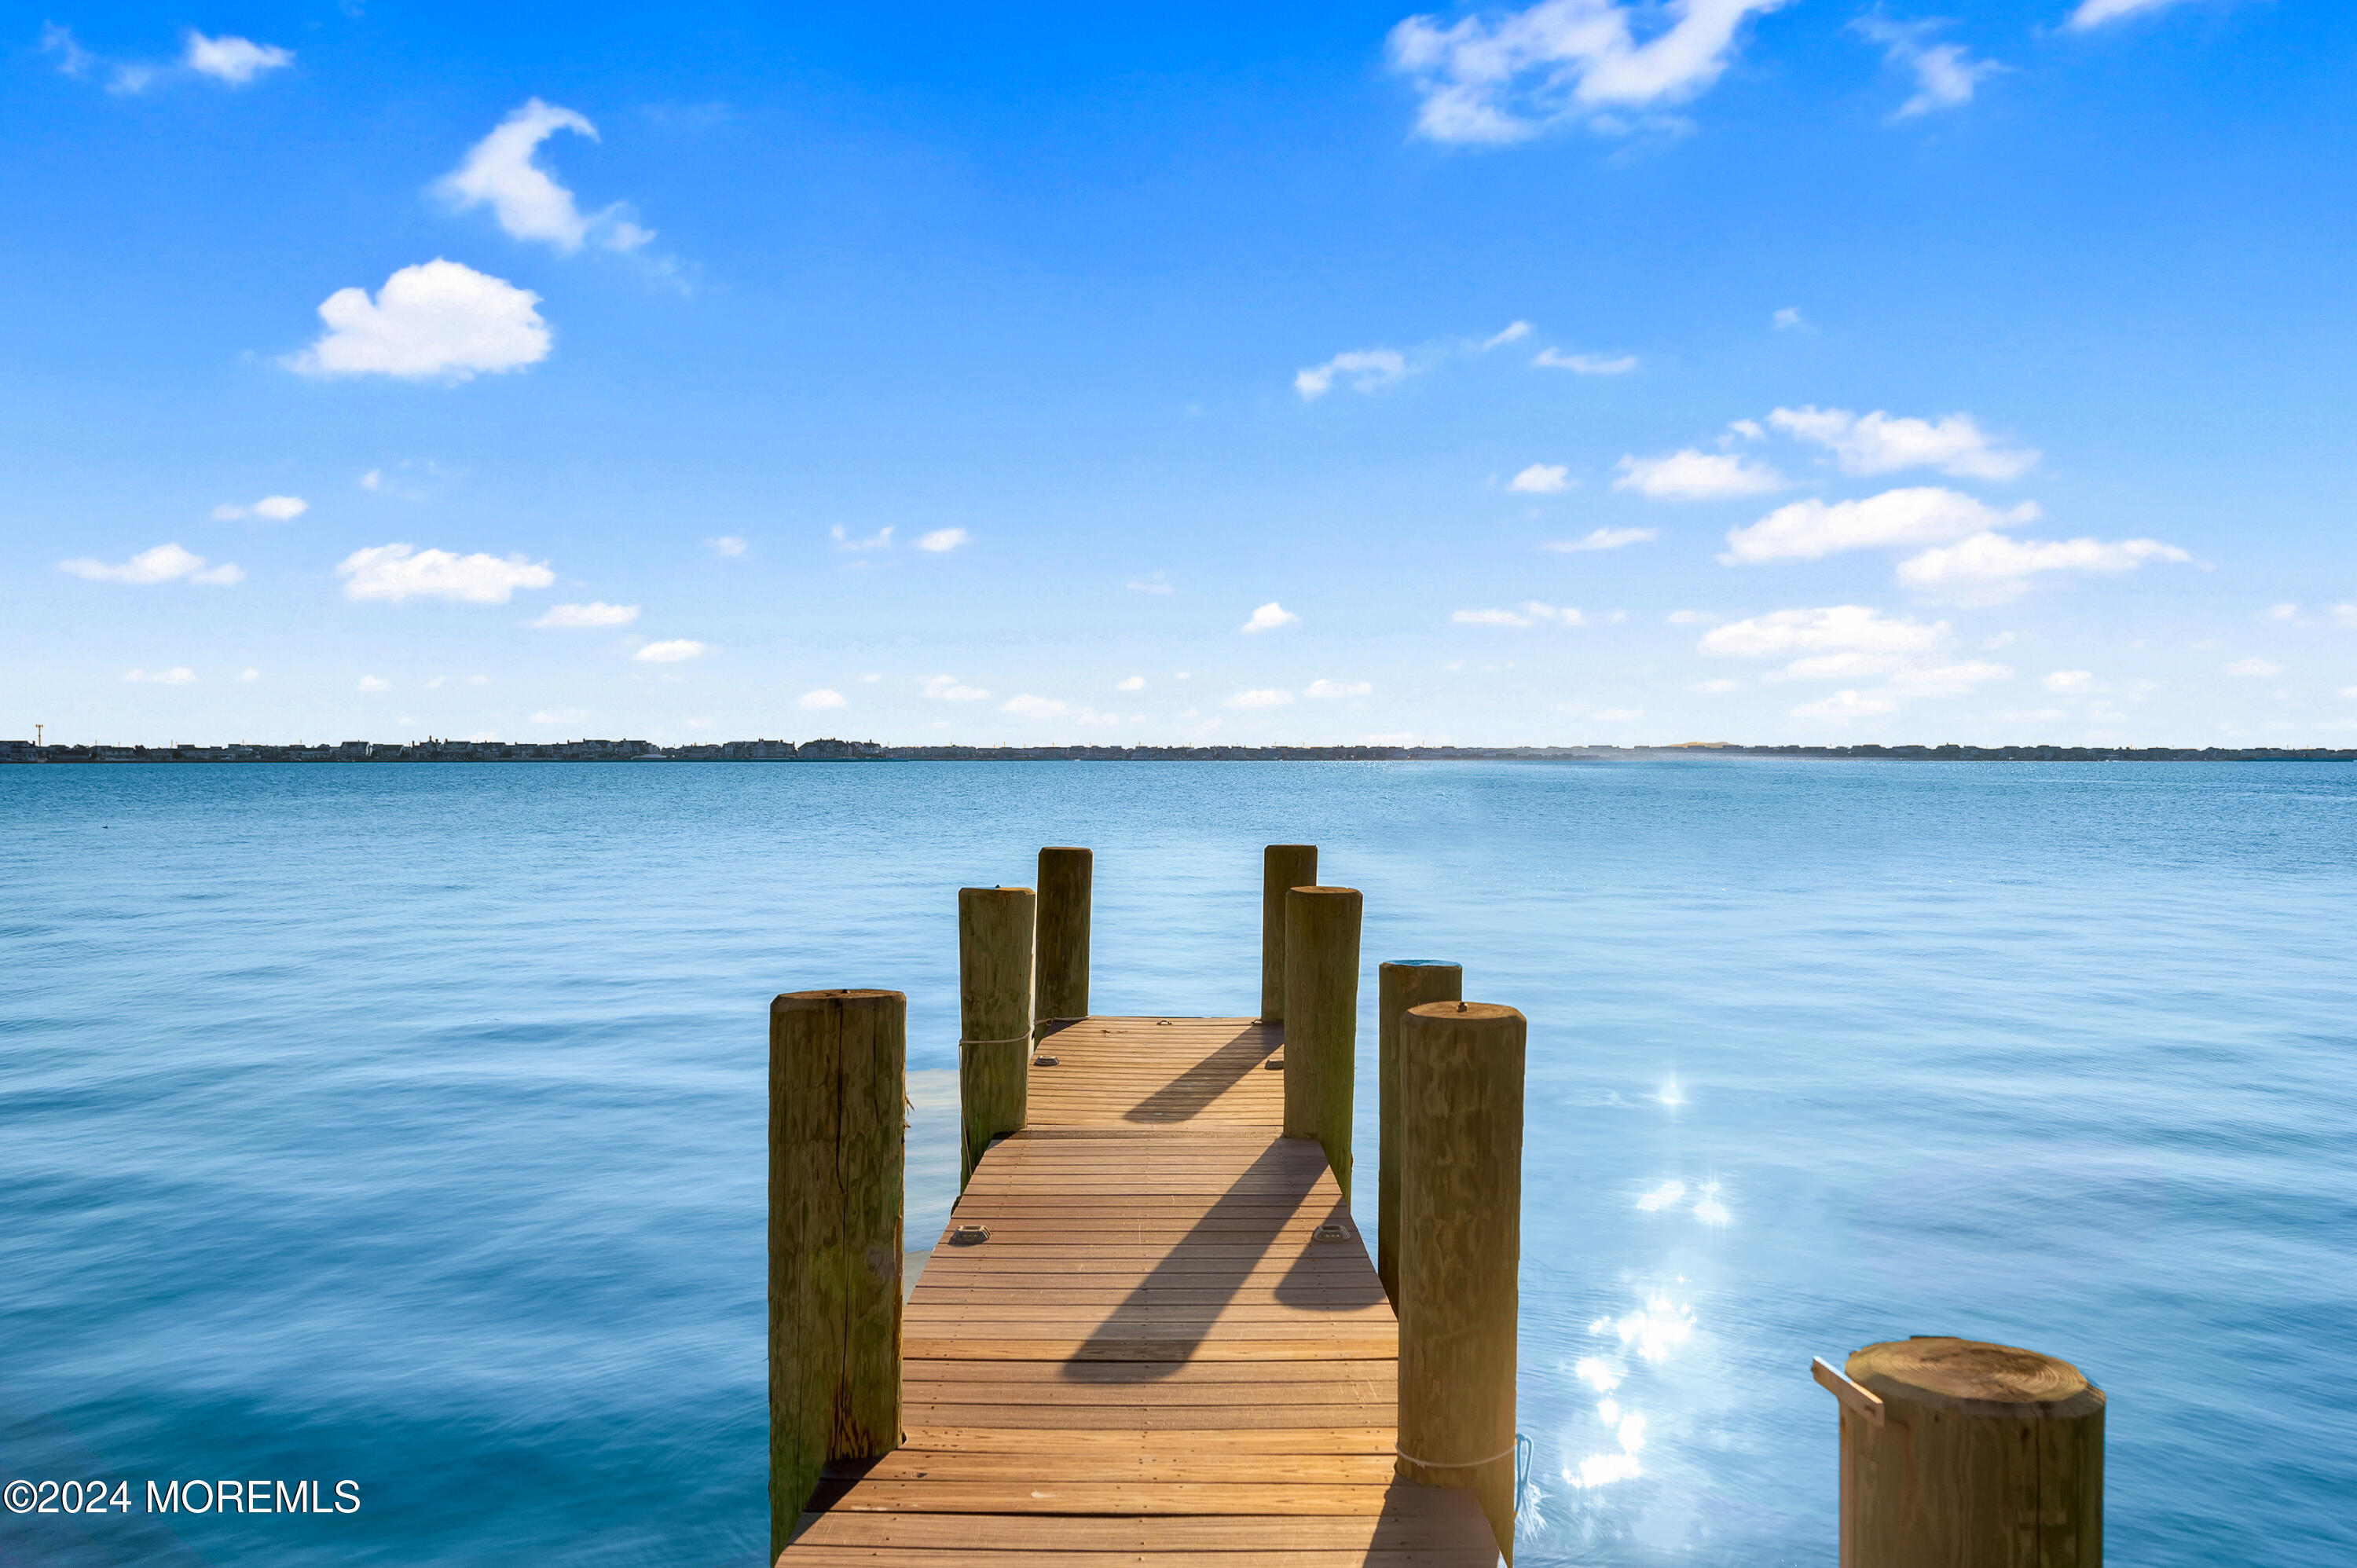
x,y
19,751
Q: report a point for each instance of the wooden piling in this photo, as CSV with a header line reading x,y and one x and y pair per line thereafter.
x,y
1284,866
995,931
1969,1455
1060,984
1321,1019
1399,985
837,1086
1460,1245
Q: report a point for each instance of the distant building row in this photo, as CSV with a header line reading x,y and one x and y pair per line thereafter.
x,y
868,750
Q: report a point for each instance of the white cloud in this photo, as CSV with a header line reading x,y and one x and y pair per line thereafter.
x,y
499,171
1031,707
882,540
375,684
234,61
1839,628
944,538
372,480
1586,364
72,58
1843,705
1789,319
1692,617
1133,684
1878,444
948,688
671,652
398,572
437,318
1154,584
1947,680
249,674
1370,369
1270,617
1542,479
2095,13
180,676
1531,614
2068,680
1945,75
1695,476
1504,77
1515,333
1331,688
596,612
275,509
1990,568
1602,539
164,563
727,545
2282,612
1266,697
2259,668
1927,514
2344,615
822,698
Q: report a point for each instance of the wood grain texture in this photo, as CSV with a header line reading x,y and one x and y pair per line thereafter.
x,y
1284,866
1460,1248
1059,987
1399,985
837,1077
1988,1456
1171,1349
995,932
1321,1019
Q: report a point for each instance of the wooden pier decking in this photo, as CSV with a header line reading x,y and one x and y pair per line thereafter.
x,y
1172,1347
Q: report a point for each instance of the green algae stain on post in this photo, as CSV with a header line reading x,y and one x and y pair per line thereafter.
x,y
1283,868
1321,1019
837,1149
995,930
1061,989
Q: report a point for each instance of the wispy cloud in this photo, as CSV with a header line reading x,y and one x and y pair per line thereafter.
x,y
880,540
1369,370
1990,568
1690,475
1513,332
228,61
233,61
1030,706
596,612
1505,76
270,509
1530,613
1602,539
822,698
1804,530
2255,669
2095,13
179,675
1879,442
1542,479
1331,690
941,540
950,689
727,544
1586,364
164,563
676,650
1945,74
1264,697
399,572
438,319
501,172
1789,320
1156,584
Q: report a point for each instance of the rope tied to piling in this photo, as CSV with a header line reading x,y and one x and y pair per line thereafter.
x,y
1459,1463
1011,1040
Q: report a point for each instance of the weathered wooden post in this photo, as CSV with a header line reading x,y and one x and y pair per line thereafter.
x,y
1399,985
994,927
1460,1245
837,1086
1959,1453
1321,1019
1060,990
1283,868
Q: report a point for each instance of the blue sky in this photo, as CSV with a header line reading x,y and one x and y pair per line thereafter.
x,y
1582,372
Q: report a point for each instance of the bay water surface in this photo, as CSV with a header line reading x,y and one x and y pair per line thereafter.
x,y
405,1124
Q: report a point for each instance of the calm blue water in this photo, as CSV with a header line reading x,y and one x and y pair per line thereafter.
x,y
405,1124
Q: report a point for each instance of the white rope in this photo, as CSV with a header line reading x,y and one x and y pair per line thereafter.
x,y
1458,1464
1010,1040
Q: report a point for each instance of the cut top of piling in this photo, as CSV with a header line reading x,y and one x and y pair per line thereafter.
x,y
1974,1378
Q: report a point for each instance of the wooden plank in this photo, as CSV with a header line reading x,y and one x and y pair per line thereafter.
x,y
1270,1499
1018,1374
1152,1418
1414,1517
1380,1438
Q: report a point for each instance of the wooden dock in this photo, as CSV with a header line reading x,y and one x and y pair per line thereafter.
x,y
1171,1347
